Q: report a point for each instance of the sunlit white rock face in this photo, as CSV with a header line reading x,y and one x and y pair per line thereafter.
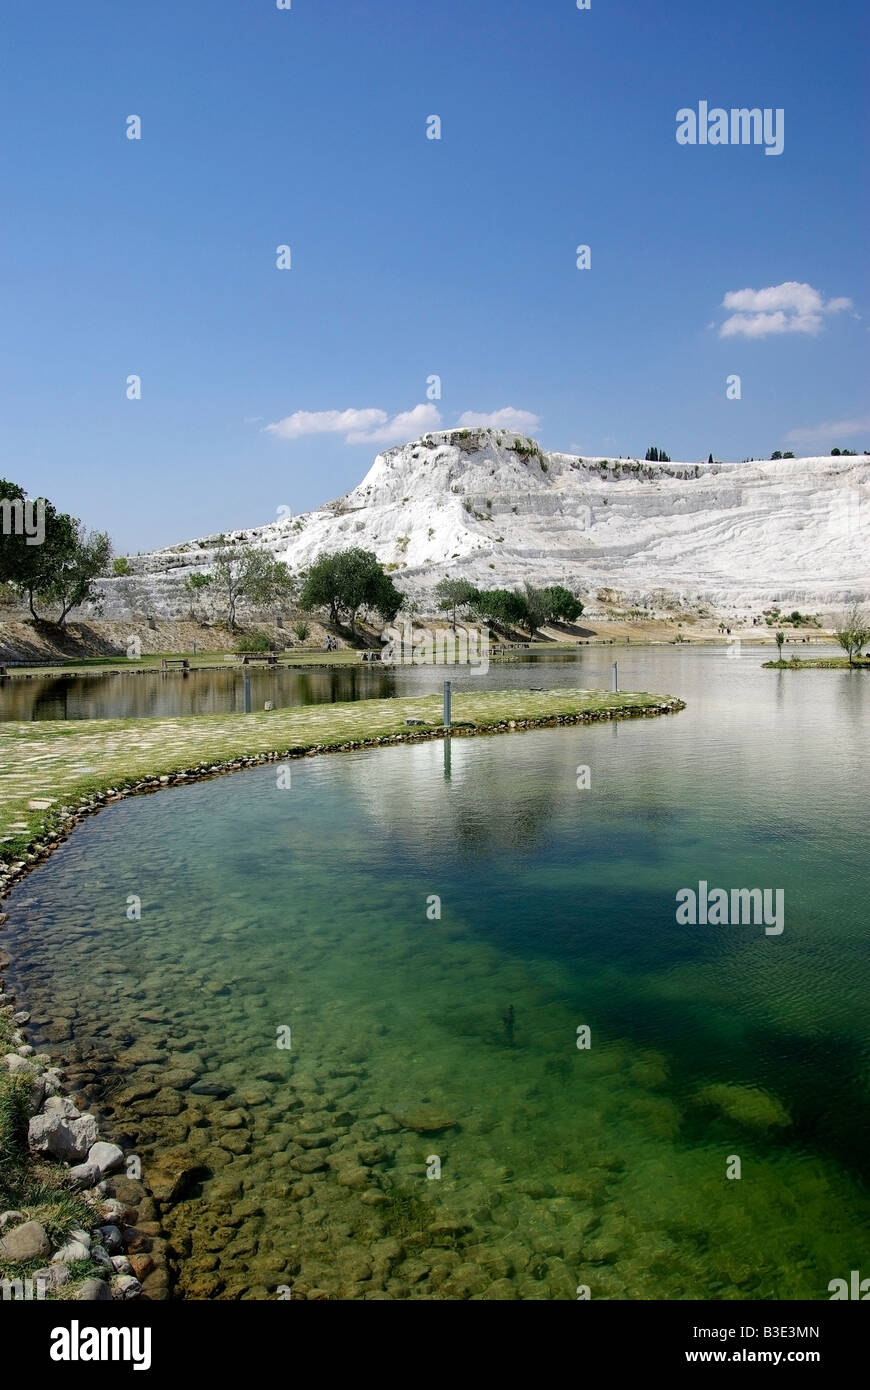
x,y
490,507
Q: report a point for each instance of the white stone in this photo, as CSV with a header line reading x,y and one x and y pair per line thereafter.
x,y
70,1251
84,1174
106,1157
20,1066
62,1136
61,1105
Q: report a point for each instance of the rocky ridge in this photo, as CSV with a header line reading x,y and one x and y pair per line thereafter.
x,y
495,509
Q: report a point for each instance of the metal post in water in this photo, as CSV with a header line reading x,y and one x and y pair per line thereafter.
x,y
447,704
615,685
247,683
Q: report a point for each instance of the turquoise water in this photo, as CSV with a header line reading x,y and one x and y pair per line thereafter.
x,y
414,1039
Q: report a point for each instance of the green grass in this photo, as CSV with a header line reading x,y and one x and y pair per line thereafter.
x,y
819,663
65,762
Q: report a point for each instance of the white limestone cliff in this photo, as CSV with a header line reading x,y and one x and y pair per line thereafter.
x,y
489,506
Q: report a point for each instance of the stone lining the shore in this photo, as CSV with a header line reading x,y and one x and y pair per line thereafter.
x,y
58,1129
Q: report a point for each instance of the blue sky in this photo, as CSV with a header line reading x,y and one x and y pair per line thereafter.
x,y
414,257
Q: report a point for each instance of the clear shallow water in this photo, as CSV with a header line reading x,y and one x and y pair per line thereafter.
x,y
307,907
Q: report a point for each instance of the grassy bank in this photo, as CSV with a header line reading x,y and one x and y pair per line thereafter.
x,y
821,663
45,766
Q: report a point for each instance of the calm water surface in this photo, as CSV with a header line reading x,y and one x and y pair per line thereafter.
x,y
156,694
416,1038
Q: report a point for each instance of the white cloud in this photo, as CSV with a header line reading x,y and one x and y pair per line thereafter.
x,y
303,422
373,426
833,429
506,419
409,424
792,307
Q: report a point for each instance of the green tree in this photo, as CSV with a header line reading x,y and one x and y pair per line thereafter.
x,y
780,638
562,605
852,631
347,582
266,581
27,561
196,586
500,607
535,608
451,593
84,561
242,572
62,570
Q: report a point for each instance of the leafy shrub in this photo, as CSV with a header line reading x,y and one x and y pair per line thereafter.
x,y
255,641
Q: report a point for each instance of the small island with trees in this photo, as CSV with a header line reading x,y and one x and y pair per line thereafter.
x,y
851,633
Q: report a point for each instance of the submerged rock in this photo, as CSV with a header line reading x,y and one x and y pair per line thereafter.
x,y
745,1105
172,1173
425,1119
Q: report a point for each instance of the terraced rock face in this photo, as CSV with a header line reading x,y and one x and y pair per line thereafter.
x,y
491,507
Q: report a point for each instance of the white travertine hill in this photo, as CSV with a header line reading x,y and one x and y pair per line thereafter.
x,y
490,507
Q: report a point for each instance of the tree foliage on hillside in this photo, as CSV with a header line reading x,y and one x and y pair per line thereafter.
x,y
349,582
242,572
454,593
58,568
530,608
852,631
